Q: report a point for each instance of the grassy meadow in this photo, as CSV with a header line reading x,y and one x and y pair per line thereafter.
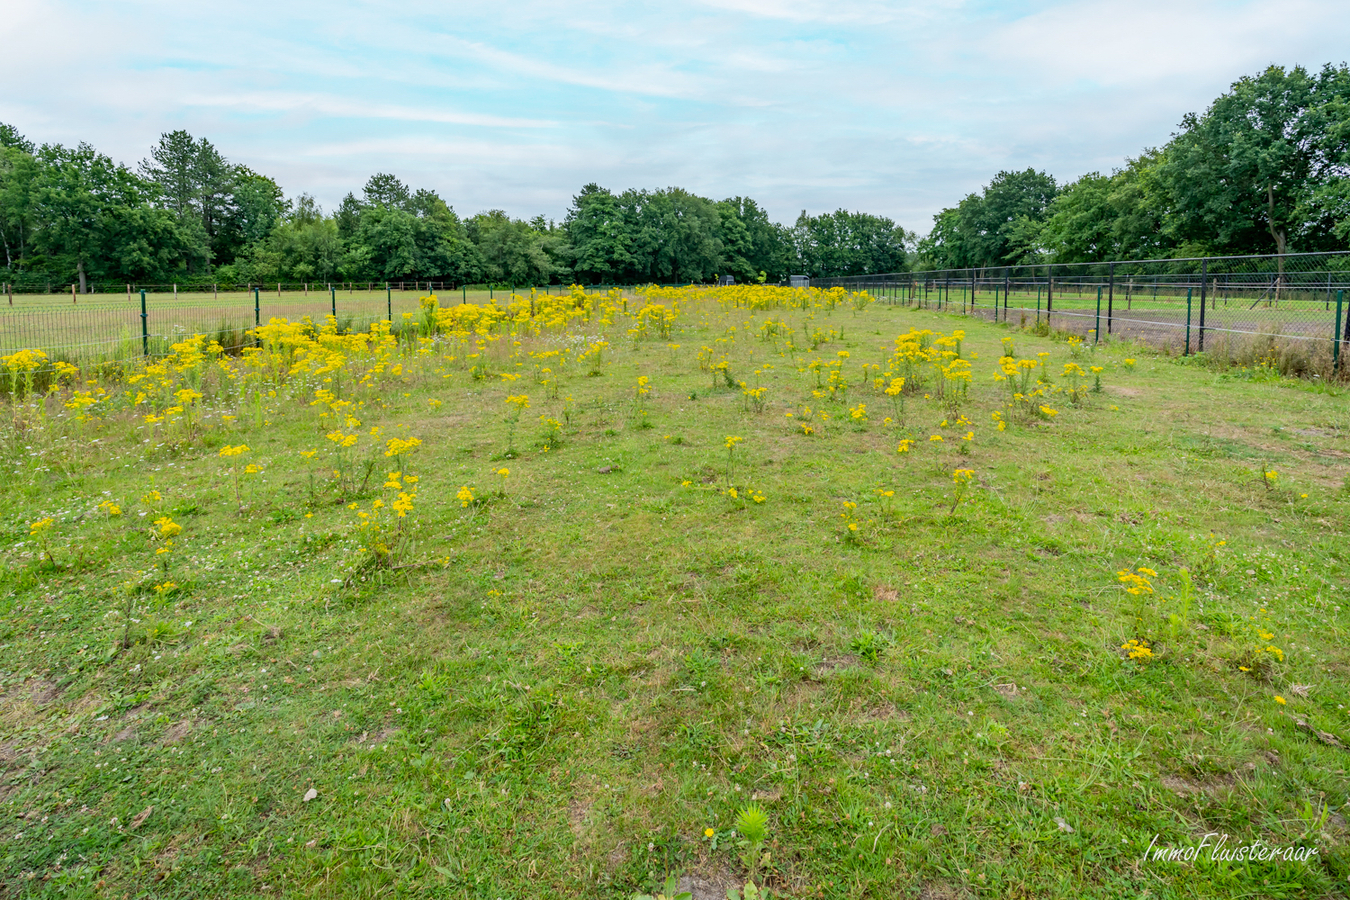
x,y
501,605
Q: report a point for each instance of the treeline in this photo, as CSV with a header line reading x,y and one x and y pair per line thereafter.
x,y
187,214
1266,169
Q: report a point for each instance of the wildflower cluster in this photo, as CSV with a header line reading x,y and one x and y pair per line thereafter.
x,y
1137,650
1137,582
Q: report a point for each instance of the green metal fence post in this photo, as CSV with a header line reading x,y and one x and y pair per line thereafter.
x,y
257,310
1187,351
1110,298
1049,292
463,294
389,302
1336,336
1097,329
1345,335
1204,283
332,296
145,328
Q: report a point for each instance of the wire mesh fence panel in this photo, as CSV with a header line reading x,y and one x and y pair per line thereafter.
x,y
100,326
114,322
1290,312
92,326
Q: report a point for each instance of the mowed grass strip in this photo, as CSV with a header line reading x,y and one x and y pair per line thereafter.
x,y
557,687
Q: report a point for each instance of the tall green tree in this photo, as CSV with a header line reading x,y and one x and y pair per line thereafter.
x,y
304,246
257,206
512,251
1330,201
348,216
394,233
385,247
444,249
221,207
754,246
994,227
1099,217
94,219
1246,176
599,236
387,191
845,243
553,240
175,167
675,236
18,173
216,182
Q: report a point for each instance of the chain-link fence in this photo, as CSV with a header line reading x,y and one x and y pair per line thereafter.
x,y
1290,312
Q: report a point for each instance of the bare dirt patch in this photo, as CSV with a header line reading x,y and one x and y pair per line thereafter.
x,y
45,692
1185,787
176,733
374,740
884,712
835,663
577,812
708,884
941,890
767,795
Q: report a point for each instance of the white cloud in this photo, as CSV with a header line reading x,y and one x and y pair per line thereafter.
x,y
1144,43
831,12
333,106
896,108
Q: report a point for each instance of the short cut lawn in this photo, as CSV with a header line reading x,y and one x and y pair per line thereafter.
x,y
587,584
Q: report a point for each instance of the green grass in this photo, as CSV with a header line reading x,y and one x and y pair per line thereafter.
x,y
561,688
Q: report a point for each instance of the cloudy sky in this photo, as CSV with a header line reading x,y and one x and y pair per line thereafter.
x,y
889,107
